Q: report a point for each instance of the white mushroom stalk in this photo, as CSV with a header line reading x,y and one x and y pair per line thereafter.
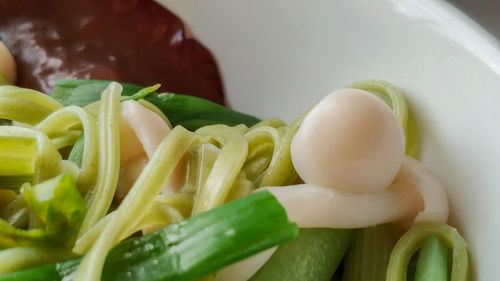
x,y
141,131
243,270
431,189
414,195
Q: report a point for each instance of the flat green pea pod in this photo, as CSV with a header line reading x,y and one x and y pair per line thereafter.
x,y
26,155
397,102
415,238
313,256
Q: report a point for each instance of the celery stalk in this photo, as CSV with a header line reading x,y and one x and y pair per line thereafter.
x,y
369,254
26,155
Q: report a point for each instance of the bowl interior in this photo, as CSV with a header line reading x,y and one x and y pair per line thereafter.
x,y
278,57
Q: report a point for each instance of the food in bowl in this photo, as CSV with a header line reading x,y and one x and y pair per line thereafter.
x,y
98,162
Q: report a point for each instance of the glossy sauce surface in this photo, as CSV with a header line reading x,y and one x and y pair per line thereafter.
x,y
135,41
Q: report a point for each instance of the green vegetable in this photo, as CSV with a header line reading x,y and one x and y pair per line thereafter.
x,y
144,92
189,112
190,249
57,205
433,261
369,254
26,155
415,238
313,256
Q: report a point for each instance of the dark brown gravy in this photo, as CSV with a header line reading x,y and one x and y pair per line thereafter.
x,y
135,41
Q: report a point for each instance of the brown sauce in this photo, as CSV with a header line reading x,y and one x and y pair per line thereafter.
x,y
134,41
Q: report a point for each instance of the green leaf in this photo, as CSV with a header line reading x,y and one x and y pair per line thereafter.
x,y
187,111
85,92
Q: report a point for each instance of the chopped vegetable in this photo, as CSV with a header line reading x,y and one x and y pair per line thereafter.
x,y
369,254
313,256
26,155
416,237
189,249
59,208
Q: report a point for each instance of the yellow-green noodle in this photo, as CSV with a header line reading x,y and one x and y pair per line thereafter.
x,y
233,153
25,105
137,202
109,157
60,123
281,170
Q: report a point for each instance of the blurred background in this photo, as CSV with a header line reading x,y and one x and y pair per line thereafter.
x,y
484,12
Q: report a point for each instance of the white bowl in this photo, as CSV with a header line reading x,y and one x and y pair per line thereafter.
x,y
278,57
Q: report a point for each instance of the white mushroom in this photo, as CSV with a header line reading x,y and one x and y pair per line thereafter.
x,y
350,152
7,64
350,140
